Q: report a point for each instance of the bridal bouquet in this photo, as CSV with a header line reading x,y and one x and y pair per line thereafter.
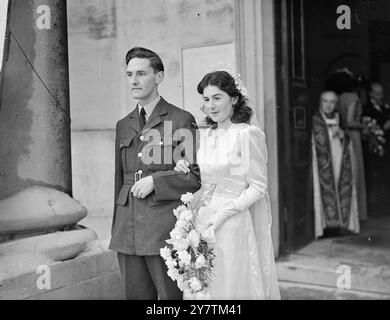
x,y
375,136
188,256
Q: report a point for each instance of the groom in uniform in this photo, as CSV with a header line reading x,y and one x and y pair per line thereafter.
x,y
147,188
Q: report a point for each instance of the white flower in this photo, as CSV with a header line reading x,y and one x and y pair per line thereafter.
x,y
194,238
176,234
195,284
184,257
200,262
202,295
165,253
181,244
178,210
181,224
173,273
186,215
208,235
170,263
182,284
187,198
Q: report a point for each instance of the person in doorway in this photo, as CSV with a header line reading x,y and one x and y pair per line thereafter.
x,y
146,192
334,172
346,85
377,166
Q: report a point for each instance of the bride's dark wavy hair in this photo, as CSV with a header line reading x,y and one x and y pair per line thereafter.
x,y
242,113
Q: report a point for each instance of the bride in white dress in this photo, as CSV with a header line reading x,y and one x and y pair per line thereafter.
x,y
232,155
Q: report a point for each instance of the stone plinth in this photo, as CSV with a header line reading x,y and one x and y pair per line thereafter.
x,y
36,209
94,274
58,246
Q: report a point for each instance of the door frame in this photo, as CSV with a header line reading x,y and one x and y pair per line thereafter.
x,y
284,89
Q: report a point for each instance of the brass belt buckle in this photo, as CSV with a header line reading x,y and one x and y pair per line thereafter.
x,y
138,175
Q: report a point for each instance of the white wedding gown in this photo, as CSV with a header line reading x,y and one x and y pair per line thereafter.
x,y
235,161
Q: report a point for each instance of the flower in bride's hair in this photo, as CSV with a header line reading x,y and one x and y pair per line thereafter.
x,y
187,198
194,238
220,66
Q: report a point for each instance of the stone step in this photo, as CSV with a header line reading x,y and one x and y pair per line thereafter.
x,y
92,274
300,291
58,246
325,271
349,249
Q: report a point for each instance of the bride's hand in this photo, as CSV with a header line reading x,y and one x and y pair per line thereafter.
x,y
182,166
216,221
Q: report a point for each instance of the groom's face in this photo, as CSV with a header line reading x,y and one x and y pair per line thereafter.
x,y
143,80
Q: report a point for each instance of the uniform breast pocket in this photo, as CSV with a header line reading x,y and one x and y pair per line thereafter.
x,y
158,154
125,149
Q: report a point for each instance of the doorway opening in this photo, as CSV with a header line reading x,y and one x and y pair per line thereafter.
x,y
310,47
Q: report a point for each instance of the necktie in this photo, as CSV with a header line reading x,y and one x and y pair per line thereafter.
x,y
142,118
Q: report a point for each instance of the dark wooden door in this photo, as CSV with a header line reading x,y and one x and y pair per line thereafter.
x,y
294,127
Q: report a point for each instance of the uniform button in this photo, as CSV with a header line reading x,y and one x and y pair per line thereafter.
x,y
140,155
142,138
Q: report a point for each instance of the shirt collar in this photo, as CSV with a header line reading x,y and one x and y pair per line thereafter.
x,y
149,107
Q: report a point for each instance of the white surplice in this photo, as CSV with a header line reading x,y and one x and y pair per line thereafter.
x,y
235,160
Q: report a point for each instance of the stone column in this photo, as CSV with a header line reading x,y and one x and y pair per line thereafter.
x,y
35,152
255,40
34,111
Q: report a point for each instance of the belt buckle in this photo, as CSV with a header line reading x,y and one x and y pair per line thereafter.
x,y
137,176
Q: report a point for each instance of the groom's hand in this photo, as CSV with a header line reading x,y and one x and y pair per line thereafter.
x,y
142,188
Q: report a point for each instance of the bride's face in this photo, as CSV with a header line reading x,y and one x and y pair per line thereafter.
x,y
218,105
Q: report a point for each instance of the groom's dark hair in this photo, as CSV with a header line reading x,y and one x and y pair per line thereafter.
x,y
143,53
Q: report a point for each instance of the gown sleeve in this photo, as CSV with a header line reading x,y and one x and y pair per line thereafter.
x,y
254,163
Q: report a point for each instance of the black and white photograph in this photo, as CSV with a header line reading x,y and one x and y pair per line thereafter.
x,y
211,151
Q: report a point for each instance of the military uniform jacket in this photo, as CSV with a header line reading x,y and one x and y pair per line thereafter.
x,y
141,226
